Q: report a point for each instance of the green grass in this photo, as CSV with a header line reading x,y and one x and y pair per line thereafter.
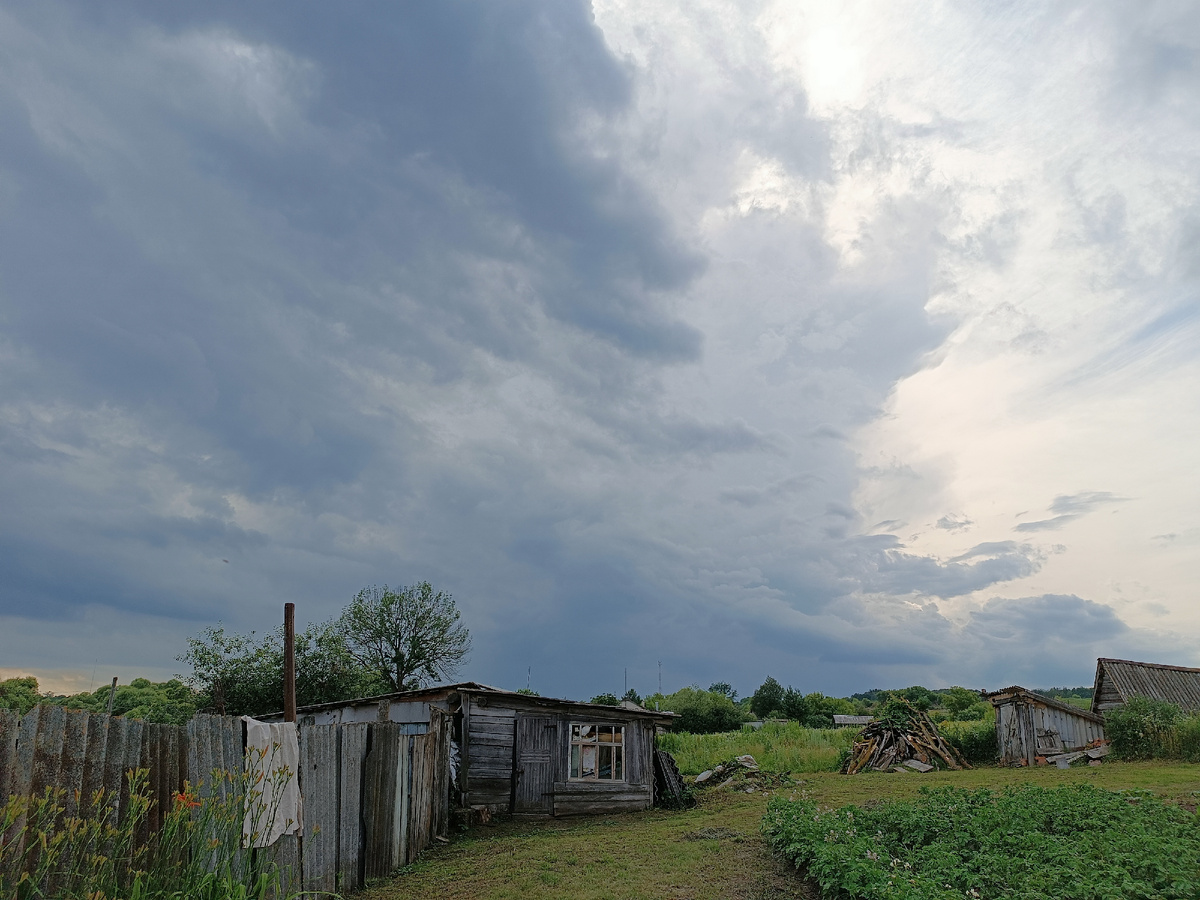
x,y
713,851
776,747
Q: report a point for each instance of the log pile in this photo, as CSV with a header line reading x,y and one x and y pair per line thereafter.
x,y
902,736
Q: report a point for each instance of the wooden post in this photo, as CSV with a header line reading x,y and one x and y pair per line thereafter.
x,y
112,695
289,662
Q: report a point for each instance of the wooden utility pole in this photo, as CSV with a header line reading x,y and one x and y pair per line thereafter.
x,y
289,662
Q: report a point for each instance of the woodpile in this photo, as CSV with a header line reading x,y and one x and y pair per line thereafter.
x,y
902,736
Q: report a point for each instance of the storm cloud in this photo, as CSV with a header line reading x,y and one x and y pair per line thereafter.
x,y
585,313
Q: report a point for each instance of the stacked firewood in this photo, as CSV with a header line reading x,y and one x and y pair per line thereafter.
x,y
902,735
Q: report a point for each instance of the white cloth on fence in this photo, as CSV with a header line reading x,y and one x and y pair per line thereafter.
x,y
274,807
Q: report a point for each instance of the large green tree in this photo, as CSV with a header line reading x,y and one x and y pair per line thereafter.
x,y
405,637
385,640
242,674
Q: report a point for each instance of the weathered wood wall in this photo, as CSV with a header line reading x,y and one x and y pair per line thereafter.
x,y
581,798
1027,728
488,754
492,762
374,795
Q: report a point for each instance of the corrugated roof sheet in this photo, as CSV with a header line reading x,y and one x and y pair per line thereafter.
x,y
1175,684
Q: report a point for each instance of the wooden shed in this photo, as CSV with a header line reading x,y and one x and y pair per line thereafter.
x,y
525,755
1029,725
1120,680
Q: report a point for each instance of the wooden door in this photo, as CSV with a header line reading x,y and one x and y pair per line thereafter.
x,y
534,772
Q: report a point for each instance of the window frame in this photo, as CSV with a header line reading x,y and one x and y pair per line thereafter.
x,y
576,738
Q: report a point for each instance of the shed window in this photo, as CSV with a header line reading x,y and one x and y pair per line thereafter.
x,y
597,752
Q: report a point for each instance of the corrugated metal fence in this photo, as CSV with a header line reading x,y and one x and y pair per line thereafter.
x,y
373,797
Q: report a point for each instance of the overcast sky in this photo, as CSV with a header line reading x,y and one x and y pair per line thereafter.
x,y
852,344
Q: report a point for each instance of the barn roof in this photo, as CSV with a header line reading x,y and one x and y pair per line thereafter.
x,y
1016,693
1128,679
440,691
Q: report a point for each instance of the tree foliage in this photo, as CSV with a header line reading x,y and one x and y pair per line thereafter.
x,y
242,674
405,638
166,702
20,694
700,712
767,699
606,699
383,641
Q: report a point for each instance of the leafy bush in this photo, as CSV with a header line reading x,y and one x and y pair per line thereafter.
x,y
1142,728
1023,843
975,740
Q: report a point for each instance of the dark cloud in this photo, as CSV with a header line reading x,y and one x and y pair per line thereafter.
x,y
300,299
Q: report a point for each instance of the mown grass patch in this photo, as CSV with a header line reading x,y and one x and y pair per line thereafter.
x,y
776,747
1026,842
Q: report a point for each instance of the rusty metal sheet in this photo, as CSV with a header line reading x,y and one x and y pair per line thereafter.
x,y
353,751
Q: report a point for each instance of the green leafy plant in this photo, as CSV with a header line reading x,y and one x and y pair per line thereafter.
x,y
1142,729
1022,843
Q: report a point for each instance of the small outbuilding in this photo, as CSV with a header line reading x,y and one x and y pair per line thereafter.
x,y
522,754
841,721
1029,725
1120,680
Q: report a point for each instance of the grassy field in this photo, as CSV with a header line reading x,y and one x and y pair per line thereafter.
x,y
777,747
713,851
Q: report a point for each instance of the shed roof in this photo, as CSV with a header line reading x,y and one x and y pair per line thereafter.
x,y
1175,684
473,687
852,720
1019,694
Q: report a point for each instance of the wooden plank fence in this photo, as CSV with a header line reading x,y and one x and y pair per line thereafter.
x,y
374,796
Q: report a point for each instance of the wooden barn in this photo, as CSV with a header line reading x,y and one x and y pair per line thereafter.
x,y
1120,680
521,754
1029,725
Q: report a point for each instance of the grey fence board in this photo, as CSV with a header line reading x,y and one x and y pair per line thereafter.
x,y
92,779
379,799
10,724
375,794
319,784
350,805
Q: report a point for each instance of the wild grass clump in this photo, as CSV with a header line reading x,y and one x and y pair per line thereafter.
x,y
50,848
976,741
1021,843
777,747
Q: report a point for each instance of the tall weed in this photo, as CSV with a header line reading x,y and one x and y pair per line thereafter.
x,y
776,747
90,855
